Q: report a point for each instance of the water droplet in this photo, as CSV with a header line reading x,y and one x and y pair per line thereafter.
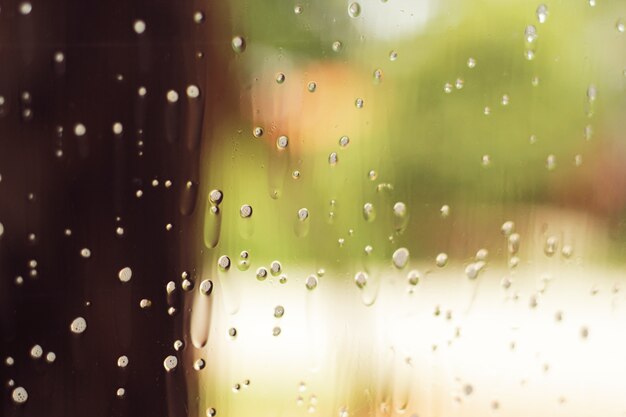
x,y
261,274
211,412
413,277
620,26
337,46
257,132
215,197
578,160
170,363
400,258
187,285
206,287
303,214
505,100
51,357
459,83
592,3
295,174
441,260
1,229
369,214
486,160
507,227
276,331
333,159
311,282
471,62
232,332
122,361
444,210
468,389
393,56
25,8
358,103
178,345
584,332
282,142
567,251
245,211
19,395
275,268
551,245
139,26
354,10
280,78
472,270
223,262
514,242
239,44
80,129
172,96
372,175
542,13
199,364
344,141
360,279
297,9
312,86
279,311
36,352
193,91
121,392
198,17
447,88
551,162
125,274
534,81
78,325
378,74
530,33
145,303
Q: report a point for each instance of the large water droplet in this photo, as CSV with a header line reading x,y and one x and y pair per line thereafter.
x,y
354,9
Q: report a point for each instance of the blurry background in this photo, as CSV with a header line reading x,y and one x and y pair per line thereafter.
x,y
436,190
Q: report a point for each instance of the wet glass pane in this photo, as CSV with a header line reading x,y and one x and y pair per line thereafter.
x,y
336,208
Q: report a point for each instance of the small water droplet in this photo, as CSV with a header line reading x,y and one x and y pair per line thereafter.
x,y
486,160
444,210
261,274
198,17
551,162
354,10
78,325
378,74
282,142
312,86
19,395
25,8
223,262
257,132
368,212
125,274
333,159
400,258
145,303
530,33
297,9
471,63
311,282
542,13
276,331
280,78
170,363
551,245
80,129
358,103
51,357
620,26
239,44
245,211
514,242
505,100
337,46
447,88
199,364
139,26
206,287
211,412
303,214
441,260
193,91
344,141
413,277
36,352
393,56
360,279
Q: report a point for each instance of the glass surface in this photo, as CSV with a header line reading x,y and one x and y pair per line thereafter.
x,y
267,208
